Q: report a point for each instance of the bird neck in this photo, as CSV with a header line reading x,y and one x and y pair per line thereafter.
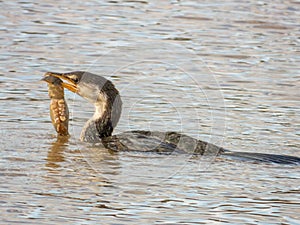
x,y
105,118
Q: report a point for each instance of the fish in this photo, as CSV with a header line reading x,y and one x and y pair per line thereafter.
x,y
59,111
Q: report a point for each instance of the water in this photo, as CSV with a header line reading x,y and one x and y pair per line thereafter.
x,y
225,72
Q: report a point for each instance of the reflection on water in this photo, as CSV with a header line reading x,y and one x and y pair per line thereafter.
x,y
56,153
222,72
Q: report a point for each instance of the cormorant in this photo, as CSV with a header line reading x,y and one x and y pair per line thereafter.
x,y
108,106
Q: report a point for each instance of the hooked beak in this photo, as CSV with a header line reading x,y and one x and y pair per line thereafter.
x,y
71,85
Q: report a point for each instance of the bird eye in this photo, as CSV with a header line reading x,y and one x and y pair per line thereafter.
x,y
74,78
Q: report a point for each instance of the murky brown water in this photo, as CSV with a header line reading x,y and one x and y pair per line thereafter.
x,y
225,72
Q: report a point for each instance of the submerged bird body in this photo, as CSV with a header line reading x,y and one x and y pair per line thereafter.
x,y
160,142
59,111
108,106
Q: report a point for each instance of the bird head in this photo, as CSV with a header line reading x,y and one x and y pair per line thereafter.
x,y
90,86
96,89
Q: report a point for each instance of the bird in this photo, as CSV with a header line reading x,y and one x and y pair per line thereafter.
x,y
59,112
106,99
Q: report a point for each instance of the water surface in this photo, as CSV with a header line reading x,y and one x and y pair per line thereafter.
x,y
225,72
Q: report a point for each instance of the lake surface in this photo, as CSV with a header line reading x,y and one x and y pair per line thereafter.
x,y
227,73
